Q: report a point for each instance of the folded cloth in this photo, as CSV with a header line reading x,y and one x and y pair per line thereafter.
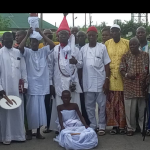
x,y
34,22
36,35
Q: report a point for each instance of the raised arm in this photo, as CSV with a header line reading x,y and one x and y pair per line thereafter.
x,y
60,118
80,116
23,43
49,42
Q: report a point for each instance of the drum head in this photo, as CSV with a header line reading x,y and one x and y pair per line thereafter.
x,y
4,105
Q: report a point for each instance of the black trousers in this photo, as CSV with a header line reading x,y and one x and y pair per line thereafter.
x,y
48,106
83,109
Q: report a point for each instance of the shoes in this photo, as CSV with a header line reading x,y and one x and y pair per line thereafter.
x,y
6,142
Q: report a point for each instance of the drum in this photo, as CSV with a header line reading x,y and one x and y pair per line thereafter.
x,y
16,102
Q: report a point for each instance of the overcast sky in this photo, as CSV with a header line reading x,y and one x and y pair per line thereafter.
x,y
97,18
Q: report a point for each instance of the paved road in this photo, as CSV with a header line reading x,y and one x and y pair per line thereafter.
x,y
107,142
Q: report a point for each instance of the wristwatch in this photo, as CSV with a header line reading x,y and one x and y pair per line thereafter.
x,y
126,75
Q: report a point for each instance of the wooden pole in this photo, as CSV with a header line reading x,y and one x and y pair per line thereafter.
x,y
41,21
85,20
73,18
90,18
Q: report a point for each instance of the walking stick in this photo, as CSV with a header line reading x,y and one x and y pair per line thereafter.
x,y
146,114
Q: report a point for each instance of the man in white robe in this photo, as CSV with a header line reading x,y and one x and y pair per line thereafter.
x,y
12,69
65,74
95,62
39,79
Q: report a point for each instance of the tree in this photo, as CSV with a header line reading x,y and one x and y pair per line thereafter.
x,y
4,23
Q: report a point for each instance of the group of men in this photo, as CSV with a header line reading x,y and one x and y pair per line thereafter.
x,y
112,74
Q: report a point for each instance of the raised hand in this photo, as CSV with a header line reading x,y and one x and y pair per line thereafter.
x,y
37,30
30,31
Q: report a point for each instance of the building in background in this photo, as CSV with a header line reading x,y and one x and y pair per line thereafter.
x,y
19,21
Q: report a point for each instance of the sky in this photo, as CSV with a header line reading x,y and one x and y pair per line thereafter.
x,y
97,18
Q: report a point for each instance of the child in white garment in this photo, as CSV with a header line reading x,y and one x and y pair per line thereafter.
x,y
74,132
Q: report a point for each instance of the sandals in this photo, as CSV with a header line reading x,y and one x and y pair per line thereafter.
x,y
122,131
6,142
130,133
47,130
114,131
101,132
148,132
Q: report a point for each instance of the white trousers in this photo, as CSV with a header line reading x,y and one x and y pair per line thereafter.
x,y
90,104
36,112
58,101
130,111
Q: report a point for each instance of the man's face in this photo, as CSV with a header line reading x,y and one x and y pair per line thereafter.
x,y
141,34
63,36
8,42
19,37
134,46
115,33
34,44
66,98
49,34
92,36
106,36
81,37
74,31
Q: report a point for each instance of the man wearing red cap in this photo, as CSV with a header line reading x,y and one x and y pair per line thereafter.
x,y
95,62
65,73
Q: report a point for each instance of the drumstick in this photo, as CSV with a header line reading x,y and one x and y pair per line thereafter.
x,y
8,104
75,133
14,101
8,100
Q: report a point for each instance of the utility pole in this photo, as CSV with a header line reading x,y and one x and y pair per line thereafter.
x,y
73,18
41,26
90,18
85,20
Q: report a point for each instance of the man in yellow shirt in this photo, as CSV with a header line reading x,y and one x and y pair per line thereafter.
x,y
49,34
115,110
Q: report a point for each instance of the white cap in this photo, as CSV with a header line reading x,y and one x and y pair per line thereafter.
x,y
36,35
115,26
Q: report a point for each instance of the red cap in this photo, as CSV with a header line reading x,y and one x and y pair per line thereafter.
x,y
92,28
64,25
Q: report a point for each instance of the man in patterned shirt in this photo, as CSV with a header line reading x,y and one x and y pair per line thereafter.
x,y
134,69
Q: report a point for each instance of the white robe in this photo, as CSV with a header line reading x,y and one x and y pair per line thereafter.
x,y
39,79
87,138
62,82
12,68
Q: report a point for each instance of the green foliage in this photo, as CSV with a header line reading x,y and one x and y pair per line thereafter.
x,y
4,24
126,27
